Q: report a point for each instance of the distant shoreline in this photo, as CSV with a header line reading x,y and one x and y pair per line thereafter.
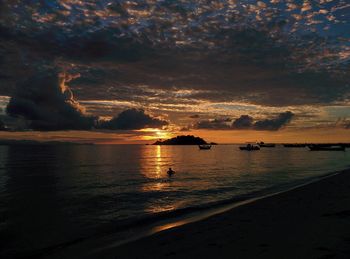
x,y
12,142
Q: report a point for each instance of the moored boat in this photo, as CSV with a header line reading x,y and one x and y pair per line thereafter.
x,y
263,144
295,145
326,148
204,147
250,147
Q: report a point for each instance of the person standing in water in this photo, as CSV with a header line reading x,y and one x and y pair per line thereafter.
x,y
170,172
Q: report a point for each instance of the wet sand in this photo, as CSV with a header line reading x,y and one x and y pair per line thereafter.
x,y
312,221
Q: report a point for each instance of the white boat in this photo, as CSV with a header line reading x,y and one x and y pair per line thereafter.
x,y
204,147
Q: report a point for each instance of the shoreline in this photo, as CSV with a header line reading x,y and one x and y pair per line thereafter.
x,y
109,247
311,221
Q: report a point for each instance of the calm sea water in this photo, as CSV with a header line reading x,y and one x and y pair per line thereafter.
x,y
51,195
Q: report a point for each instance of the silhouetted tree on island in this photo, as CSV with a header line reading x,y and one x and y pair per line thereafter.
x,y
182,140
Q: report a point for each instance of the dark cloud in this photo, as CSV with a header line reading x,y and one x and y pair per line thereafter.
x,y
216,124
47,103
274,124
248,51
243,122
246,122
133,119
261,52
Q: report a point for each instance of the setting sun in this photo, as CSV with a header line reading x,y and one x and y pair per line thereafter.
x,y
155,134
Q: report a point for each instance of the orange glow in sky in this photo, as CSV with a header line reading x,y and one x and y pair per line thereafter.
x,y
220,136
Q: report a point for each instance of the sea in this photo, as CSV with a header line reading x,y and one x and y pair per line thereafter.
x,y
56,195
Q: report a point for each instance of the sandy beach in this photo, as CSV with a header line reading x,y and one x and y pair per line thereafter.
x,y
312,221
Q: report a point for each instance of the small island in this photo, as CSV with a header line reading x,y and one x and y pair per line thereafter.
x,y
183,140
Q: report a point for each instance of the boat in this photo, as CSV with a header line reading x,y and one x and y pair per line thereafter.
x,y
326,148
295,145
204,147
262,144
250,147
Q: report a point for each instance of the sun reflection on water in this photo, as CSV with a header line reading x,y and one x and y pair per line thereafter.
x,y
154,167
158,161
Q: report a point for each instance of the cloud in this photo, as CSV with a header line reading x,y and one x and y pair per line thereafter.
x,y
47,103
145,52
253,52
246,122
133,119
243,122
274,124
216,124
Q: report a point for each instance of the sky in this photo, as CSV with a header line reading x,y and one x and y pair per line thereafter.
x,y
137,71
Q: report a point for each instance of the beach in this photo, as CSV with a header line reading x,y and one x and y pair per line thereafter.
x,y
311,221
